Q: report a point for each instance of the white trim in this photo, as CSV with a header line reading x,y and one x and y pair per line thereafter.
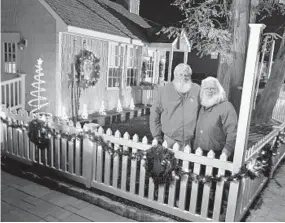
x,y
104,36
58,80
160,45
137,42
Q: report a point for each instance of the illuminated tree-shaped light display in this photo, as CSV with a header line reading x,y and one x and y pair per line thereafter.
x,y
38,101
119,106
132,104
102,109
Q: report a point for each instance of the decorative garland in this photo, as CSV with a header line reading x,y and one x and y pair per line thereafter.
x,y
160,162
83,57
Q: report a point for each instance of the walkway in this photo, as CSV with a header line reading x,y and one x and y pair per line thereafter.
x,y
23,200
272,208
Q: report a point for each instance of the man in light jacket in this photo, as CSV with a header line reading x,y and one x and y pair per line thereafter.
x,y
217,121
174,111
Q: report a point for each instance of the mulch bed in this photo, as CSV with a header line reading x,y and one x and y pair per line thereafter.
x,y
138,125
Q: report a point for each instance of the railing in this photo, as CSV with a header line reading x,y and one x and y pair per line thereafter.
x,y
86,162
13,92
279,109
250,189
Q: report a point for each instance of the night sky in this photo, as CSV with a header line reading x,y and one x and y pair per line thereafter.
x,y
160,11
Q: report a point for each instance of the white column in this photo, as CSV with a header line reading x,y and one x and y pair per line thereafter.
x,y
170,64
186,57
244,114
23,91
58,104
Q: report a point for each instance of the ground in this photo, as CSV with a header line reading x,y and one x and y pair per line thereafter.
x,y
23,200
272,203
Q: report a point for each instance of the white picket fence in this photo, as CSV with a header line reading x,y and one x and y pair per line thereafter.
x,y
13,92
86,162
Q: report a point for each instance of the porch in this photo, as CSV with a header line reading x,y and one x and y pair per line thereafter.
x,y
13,91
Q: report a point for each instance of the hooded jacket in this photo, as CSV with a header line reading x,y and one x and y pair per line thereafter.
x,y
175,114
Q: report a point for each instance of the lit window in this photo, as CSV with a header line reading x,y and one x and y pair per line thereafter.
x,y
116,55
10,56
150,63
133,66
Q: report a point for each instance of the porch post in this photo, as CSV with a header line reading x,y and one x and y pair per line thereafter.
x,y
170,64
23,91
244,115
186,57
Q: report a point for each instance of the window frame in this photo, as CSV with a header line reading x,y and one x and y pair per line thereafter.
x,y
135,66
112,60
10,40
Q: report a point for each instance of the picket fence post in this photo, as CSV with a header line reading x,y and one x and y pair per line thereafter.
x,y
88,160
247,101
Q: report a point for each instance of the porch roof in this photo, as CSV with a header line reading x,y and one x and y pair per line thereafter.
x,y
101,15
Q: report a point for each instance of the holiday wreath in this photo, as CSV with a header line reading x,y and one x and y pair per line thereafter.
x,y
87,68
39,133
160,164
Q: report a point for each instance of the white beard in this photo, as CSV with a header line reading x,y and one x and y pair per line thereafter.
x,y
209,101
182,87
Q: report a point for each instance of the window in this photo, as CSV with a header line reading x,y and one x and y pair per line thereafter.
x,y
9,46
10,52
133,66
150,63
116,55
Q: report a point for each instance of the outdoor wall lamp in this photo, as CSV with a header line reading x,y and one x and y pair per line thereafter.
x,y
22,44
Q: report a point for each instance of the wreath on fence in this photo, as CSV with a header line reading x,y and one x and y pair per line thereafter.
x,y
87,68
160,164
39,133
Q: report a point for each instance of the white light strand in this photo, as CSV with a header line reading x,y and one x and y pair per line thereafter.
x,y
36,102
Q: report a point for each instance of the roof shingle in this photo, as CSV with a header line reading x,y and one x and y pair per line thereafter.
x,y
101,15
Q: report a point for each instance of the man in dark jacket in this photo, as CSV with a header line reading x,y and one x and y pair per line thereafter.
x,y
217,121
175,109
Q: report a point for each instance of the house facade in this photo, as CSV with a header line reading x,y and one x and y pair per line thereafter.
x,y
59,31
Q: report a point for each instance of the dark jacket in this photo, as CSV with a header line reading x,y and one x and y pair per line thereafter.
x,y
216,127
175,114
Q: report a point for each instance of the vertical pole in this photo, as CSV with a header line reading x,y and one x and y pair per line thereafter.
x,y
185,57
271,59
23,91
244,115
170,65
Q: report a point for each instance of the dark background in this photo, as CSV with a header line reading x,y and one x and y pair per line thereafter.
x,y
160,11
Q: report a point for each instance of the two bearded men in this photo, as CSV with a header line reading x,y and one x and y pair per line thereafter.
x,y
202,117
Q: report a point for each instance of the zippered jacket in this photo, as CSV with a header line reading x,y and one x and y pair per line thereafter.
x,y
175,114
